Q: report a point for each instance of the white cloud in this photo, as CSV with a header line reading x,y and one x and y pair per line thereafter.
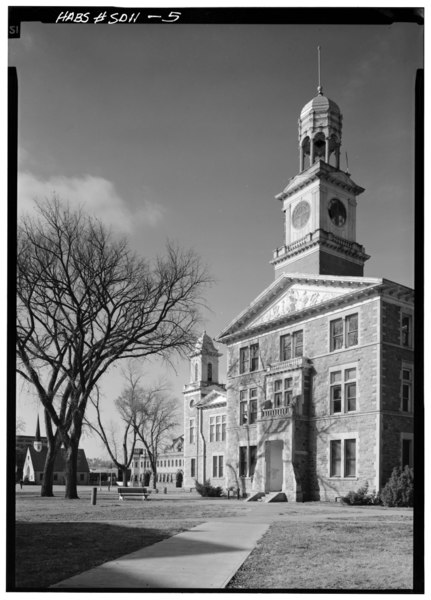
x,y
96,195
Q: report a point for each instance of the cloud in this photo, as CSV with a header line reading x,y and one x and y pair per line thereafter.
x,y
96,195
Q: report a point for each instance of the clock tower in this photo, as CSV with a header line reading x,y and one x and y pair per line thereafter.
x,y
319,203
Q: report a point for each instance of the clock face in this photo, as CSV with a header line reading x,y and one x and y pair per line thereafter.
x,y
337,212
301,214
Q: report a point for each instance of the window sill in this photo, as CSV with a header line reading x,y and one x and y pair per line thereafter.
x,y
344,348
336,478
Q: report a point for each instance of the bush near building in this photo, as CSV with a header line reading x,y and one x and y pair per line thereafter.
x,y
399,490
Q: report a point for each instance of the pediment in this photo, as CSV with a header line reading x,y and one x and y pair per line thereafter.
x,y
214,398
292,294
296,298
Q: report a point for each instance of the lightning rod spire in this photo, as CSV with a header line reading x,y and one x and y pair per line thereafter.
x,y
319,87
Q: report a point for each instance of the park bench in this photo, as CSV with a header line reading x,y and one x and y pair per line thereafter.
x,y
133,492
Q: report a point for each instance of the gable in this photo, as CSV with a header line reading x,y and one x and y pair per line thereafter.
x,y
214,398
297,298
294,295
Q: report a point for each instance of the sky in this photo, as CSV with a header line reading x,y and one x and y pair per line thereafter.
x,y
188,133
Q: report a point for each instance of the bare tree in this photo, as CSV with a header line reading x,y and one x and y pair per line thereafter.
x,y
84,301
119,439
156,419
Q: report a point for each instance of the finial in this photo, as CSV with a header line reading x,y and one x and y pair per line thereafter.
x,y
319,87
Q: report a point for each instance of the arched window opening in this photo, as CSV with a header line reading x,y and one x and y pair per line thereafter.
x,y
210,372
305,154
319,147
196,371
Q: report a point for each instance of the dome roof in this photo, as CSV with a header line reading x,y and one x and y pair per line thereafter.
x,y
320,103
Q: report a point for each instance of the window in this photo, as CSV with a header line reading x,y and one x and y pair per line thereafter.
x,y
253,405
336,458
343,332
196,372
254,357
55,476
244,354
210,372
350,459
193,467
252,460
218,466
283,392
192,431
243,461
81,476
248,406
406,330
218,428
342,390
249,358
247,461
406,389
291,345
406,450
343,458
243,408
351,331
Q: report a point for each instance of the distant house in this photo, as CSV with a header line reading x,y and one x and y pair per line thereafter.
x,y
35,462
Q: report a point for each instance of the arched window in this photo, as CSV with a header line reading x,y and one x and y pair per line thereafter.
x,y
196,371
210,372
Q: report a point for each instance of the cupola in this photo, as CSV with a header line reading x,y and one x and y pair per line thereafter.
x,y
319,132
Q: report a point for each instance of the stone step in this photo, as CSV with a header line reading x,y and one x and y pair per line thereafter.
x,y
255,497
275,497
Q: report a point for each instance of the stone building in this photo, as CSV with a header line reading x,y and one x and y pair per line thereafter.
x,y
205,417
320,365
170,465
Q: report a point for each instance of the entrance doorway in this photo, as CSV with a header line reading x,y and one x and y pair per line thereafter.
x,y
274,466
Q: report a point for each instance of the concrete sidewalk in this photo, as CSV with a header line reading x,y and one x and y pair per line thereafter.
x,y
206,556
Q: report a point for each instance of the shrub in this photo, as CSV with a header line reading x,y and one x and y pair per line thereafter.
x,y
398,491
206,489
362,496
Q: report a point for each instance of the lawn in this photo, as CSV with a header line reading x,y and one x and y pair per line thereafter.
x,y
57,538
358,554
311,546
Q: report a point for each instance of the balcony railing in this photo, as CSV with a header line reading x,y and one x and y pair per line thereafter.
x,y
281,412
288,365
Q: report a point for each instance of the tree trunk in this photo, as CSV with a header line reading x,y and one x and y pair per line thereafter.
x,y
48,469
154,478
124,474
48,472
71,492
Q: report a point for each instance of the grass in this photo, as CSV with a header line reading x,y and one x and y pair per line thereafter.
x,y
311,546
57,538
339,554
50,552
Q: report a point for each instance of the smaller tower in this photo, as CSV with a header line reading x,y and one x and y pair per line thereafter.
x,y
37,444
204,362
204,379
